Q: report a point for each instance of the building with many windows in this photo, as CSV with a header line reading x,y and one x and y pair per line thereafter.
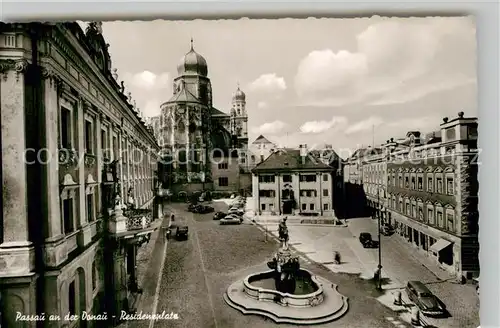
x,y
431,193
73,146
292,181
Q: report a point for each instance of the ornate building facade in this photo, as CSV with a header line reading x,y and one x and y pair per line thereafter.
x,y
432,192
204,148
293,181
70,152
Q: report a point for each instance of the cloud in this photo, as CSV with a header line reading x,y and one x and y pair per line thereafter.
x,y
316,127
268,83
270,127
151,108
399,59
148,80
364,125
262,105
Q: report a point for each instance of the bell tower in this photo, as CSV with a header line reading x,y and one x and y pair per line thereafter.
x,y
239,118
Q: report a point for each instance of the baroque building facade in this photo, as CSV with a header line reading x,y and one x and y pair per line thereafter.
x,y
431,193
71,144
203,148
293,182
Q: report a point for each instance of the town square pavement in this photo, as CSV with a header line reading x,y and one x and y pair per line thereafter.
x,y
400,261
198,271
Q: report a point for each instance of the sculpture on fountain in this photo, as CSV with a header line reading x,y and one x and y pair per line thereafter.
x,y
285,264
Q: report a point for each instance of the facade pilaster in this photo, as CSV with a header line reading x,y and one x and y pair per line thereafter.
x,y
16,250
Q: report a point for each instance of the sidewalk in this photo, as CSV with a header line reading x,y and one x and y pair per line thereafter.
x,y
426,260
150,266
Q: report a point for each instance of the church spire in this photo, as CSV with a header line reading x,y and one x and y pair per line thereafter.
x,y
192,47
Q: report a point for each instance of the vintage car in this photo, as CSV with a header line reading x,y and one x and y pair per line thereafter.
x,y
219,215
180,231
424,299
200,209
365,238
231,219
234,210
387,230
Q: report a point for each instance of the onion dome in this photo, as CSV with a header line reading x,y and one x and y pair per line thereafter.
x,y
239,95
192,64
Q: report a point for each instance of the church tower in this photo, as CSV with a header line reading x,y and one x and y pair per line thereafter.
x,y
239,119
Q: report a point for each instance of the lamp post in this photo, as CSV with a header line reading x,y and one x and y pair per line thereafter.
x,y
379,286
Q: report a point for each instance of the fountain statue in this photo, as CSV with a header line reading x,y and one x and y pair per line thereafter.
x,y
286,293
285,264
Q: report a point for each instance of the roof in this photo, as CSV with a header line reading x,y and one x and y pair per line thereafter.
x,y
328,154
290,159
261,140
184,96
215,112
362,152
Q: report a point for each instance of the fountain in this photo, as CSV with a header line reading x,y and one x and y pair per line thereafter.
x,y
287,293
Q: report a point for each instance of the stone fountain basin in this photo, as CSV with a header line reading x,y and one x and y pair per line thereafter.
x,y
298,299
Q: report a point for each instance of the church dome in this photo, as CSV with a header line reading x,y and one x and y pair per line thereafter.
x,y
192,64
239,95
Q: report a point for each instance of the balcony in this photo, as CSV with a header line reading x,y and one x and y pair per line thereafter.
x,y
138,219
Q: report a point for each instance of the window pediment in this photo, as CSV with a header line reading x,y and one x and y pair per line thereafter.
x,y
438,170
449,169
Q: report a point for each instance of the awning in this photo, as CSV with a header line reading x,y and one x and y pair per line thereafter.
x,y
439,245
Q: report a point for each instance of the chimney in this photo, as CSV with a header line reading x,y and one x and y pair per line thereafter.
x,y
303,150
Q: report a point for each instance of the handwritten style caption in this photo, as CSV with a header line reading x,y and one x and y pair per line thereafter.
x,y
85,316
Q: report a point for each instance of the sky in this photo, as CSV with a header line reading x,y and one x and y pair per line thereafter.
x,y
343,82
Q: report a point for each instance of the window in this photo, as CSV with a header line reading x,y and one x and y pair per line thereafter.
x,y
325,177
311,207
420,183
407,183
413,183
287,178
262,158
450,190
266,178
325,207
68,215
308,178
430,215
243,160
449,222
430,184
90,207
408,209
325,192
66,128
115,148
72,298
304,207
94,275
266,193
401,209
263,207
420,213
222,166
308,193
223,182
89,137
440,219
414,210
104,143
400,181
439,185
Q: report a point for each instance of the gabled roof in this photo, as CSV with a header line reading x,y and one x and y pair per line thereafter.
x,y
290,159
261,140
184,96
215,112
329,154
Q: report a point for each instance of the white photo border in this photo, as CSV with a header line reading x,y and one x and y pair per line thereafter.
x,y
486,13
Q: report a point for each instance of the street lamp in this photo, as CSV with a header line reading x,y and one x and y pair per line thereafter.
x,y
379,286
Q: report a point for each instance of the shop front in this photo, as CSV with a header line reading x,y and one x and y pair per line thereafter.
x,y
443,248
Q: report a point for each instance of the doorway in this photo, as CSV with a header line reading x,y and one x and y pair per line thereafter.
x,y
287,206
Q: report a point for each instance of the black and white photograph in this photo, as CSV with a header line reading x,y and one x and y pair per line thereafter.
x,y
288,172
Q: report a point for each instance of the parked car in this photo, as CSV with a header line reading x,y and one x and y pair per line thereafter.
x,y
181,232
236,211
424,299
387,230
219,215
365,238
231,219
